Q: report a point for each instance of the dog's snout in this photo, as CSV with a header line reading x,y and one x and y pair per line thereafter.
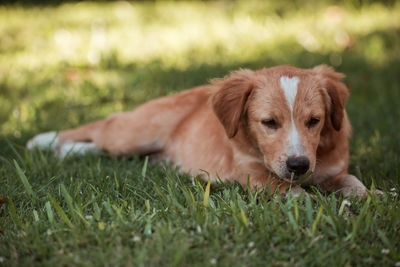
x,y
298,165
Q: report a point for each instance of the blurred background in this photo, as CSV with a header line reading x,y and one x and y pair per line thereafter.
x,y
64,63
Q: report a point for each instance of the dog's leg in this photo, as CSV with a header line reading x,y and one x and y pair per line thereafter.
x,y
84,133
75,141
144,130
347,185
119,134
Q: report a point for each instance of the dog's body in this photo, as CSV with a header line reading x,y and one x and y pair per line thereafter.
x,y
269,125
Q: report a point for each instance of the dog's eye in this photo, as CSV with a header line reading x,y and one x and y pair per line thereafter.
x,y
270,124
312,122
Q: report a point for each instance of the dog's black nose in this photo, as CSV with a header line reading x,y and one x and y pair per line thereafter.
x,y
298,165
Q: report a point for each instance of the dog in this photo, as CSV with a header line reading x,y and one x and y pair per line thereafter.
x,y
269,128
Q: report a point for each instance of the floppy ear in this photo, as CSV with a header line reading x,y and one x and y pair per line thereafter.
x,y
337,94
229,101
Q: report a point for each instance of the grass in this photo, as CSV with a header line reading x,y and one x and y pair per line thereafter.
x,y
61,66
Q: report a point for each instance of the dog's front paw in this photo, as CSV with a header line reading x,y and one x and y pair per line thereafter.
x,y
47,140
354,191
351,186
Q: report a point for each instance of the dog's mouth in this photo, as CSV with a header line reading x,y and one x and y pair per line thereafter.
x,y
297,179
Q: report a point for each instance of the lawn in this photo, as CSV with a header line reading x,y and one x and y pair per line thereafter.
x,y
64,65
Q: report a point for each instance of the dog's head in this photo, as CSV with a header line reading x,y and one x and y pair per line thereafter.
x,y
284,111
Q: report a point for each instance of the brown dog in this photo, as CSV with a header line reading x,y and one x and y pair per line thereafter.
x,y
270,125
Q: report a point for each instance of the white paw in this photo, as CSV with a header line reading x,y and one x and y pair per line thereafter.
x,y
73,148
353,191
47,140
351,186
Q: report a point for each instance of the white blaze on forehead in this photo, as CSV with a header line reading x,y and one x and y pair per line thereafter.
x,y
289,86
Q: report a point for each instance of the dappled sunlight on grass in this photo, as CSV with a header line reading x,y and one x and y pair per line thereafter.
x,y
180,34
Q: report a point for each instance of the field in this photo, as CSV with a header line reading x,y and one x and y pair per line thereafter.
x,y
64,65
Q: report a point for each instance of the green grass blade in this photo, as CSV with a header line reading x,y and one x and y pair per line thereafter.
x,y
97,211
148,227
144,169
360,218
14,150
116,181
60,211
385,240
69,200
309,209
24,180
243,218
317,219
342,206
13,213
207,193
108,208
67,197
103,189
292,221
49,211
296,210
35,216
86,222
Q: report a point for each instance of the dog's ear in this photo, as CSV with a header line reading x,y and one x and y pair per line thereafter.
x,y
337,94
230,99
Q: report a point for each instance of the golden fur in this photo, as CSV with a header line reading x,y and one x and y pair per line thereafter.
x,y
221,128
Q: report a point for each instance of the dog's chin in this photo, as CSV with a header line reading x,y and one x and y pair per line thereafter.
x,y
295,179
287,177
